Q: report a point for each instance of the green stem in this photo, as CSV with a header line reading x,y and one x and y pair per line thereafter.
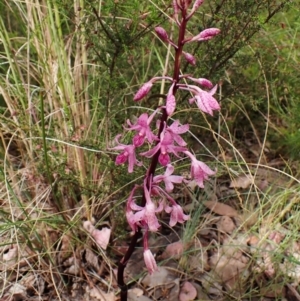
x,y
46,158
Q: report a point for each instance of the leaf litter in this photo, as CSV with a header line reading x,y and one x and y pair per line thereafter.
x,y
221,260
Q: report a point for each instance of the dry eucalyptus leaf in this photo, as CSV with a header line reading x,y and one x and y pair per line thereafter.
x,y
102,296
168,291
136,294
211,285
226,225
228,269
160,277
101,236
174,250
273,290
18,292
174,292
11,254
188,292
136,291
243,181
220,208
92,259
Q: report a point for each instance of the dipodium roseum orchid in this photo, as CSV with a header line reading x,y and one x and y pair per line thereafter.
x,y
142,126
177,215
128,154
199,170
168,178
163,143
176,129
204,100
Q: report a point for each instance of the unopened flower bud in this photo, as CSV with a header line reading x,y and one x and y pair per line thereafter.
x,y
206,34
203,82
175,7
170,104
190,58
143,91
170,101
196,5
161,33
150,261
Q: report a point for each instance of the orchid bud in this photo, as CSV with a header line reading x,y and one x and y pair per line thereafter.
x,y
150,261
170,101
170,104
143,91
203,82
189,58
175,7
205,35
162,33
196,5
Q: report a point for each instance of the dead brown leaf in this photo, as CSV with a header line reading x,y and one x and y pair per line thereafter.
x,y
221,209
137,294
97,293
174,250
243,182
226,224
188,292
160,277
229,269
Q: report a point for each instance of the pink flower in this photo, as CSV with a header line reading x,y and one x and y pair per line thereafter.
x,y
168,178
199,170
143,129
205,100
128,154
165,146
129,213
176,130
143,91
150,261
144,215
177,215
